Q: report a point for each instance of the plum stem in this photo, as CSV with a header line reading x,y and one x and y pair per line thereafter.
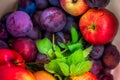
x,y
74,1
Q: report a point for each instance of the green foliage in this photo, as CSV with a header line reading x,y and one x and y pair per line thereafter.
x,y
74,63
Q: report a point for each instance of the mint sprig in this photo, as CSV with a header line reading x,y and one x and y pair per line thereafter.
x,y
68,59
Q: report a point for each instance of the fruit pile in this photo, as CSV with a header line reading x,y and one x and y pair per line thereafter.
x,y
58,40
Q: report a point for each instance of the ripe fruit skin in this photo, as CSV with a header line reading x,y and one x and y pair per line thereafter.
x,y
10,58
74,7
111,57
43,75
53,19
19,23
85,76
16,73
26,48
98,26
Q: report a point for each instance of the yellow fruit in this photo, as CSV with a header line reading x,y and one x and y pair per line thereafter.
x,y
43,75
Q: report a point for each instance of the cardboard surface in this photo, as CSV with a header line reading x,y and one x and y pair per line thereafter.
x,y
7,6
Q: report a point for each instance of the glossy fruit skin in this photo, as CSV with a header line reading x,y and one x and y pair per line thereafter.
x,y
85,76
53,19
10,58
19,24
98,26
111,57
43,75
74,7
97,52
16,73
41,4
26,48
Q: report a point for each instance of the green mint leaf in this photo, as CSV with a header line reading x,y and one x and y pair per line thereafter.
x,y
50,54
75,46
58,52
62,45
53,67
44,45
87,51
72,68
75,57
82,67
74,34
64,68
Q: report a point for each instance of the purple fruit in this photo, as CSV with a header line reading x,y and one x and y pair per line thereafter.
x,y
111,57
41,58
70,22
53,19
96,67
34,33
3,31
107,76
26,47
55,3
62,37
36,18
97,52
3,44
97,3
49,35
19,24
42,4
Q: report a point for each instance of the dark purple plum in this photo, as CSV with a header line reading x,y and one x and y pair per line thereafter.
x,y
97,52
26,47
97,3
107,76
53,19
49,35
62,37
70,22
19,24
34,33
41,58
3,32
42,4
3,44
36,18
111,57
96,67
55,3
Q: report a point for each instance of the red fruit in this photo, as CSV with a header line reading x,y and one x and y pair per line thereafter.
x,y
16,73
10,58
26,47
98,26
85,76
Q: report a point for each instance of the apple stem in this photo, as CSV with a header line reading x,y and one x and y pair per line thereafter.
x,y
74,1
92,27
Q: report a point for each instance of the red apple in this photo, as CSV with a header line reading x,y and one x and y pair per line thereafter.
x,y
26,48
74,7
16,73
10,58
98,26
